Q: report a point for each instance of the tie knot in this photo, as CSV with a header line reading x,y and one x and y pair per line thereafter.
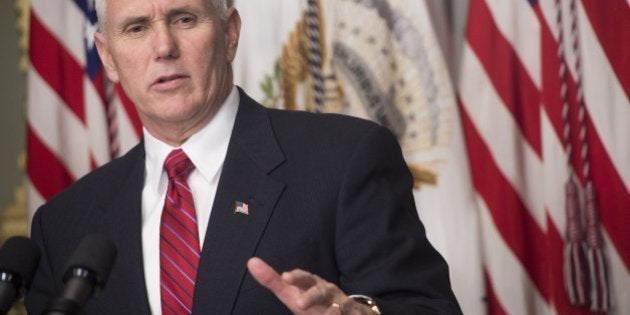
x,y
178,165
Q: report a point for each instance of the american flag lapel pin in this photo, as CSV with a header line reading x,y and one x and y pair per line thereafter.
x,y
241,208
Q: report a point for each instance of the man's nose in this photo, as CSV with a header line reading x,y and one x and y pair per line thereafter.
x,y
165,43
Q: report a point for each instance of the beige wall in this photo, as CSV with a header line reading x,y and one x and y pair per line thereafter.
x,y
12,111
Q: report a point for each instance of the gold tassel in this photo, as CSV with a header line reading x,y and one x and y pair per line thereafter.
x,y
595,253
574,269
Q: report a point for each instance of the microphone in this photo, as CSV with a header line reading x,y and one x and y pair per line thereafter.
x,y
86,273
19,258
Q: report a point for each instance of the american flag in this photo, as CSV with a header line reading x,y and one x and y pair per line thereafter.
x,y
77,120
241,207
544,96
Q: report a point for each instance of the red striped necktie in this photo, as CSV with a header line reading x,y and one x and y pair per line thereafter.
x,y
179,238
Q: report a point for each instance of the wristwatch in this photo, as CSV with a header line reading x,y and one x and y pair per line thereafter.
x,y
367,301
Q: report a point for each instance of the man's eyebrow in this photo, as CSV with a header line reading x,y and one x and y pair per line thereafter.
x,y
133,20
186,9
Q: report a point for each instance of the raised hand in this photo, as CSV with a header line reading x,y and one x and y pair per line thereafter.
x,y
303,292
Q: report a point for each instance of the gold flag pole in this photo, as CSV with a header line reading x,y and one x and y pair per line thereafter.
x,y
13,221
14,218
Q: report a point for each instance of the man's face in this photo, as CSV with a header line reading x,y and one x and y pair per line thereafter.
x,y
172,58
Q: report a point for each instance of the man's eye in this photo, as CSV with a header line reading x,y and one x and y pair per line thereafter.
x,y
185,20
135,29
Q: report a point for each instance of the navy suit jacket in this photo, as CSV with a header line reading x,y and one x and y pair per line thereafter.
x,y
327,193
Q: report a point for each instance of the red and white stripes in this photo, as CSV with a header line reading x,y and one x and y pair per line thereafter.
x,y
69,126
514,108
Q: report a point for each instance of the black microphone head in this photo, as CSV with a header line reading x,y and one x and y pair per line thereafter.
x,y
20,255
96,253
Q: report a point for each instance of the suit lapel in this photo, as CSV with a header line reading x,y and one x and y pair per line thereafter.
x,y
122,223
232,237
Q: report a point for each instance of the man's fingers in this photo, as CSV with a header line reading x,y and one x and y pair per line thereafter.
x,y
301,291
321,294
269,278
314,291
265,274
300,278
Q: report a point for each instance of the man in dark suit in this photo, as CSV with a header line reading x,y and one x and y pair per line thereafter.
x,y
325,198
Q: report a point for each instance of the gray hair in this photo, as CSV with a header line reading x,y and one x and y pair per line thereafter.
x,y
99,6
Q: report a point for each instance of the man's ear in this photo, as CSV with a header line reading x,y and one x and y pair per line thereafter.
x,y
232,32
106,56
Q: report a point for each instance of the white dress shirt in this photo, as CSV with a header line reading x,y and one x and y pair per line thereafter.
x,y
206,149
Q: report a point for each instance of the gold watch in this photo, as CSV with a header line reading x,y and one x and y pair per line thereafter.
x,y
367,301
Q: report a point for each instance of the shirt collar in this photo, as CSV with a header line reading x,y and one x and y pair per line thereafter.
x,y
206,148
